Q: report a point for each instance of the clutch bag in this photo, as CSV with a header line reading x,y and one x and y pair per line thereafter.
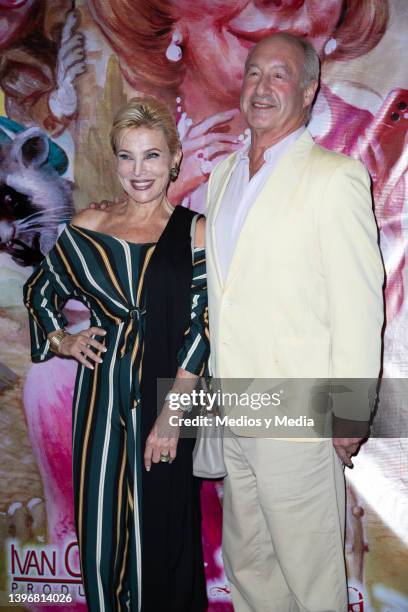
x,y
208,454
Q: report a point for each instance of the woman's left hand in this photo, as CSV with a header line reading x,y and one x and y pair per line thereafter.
x,y
163,438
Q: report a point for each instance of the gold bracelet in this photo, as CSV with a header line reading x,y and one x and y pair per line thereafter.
x,y
56,340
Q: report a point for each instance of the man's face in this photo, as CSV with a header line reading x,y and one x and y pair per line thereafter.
x,y
272,97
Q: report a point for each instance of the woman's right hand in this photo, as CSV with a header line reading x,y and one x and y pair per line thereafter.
x,y
79,346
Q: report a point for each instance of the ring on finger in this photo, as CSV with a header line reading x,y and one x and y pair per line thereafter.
x,y
164,457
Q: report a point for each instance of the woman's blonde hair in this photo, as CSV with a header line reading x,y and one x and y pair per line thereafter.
x,y
149,113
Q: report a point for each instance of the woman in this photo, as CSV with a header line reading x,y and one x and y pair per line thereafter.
x,y
133,267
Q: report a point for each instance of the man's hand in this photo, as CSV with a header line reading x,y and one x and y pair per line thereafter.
x,y
346,448
348,436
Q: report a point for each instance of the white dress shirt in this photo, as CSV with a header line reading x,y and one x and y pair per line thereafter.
x,y
240,194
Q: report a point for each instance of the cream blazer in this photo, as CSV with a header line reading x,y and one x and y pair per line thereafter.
x,y
303,296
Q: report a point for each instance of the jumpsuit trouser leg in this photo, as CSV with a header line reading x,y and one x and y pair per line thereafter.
x,y
106,477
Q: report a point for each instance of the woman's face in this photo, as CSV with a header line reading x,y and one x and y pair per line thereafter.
x,y
13,15
143,164
219,33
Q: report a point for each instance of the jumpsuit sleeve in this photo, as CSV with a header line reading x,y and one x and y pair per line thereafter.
x,y
45,294
194,353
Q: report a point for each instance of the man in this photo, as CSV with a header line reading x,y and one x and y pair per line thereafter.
x,y
295,291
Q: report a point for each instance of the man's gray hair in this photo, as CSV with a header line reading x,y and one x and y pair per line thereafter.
x,y
311,65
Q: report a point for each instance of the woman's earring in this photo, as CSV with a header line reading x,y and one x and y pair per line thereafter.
x,y
174,172
173,51
330,46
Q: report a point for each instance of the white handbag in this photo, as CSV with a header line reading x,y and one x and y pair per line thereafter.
x,y
208,453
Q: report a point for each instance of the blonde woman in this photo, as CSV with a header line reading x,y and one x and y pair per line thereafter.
x,y
135,268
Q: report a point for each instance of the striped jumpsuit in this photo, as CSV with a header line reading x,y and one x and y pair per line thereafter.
x,y
107,275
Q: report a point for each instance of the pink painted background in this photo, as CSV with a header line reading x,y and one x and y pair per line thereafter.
x,y
66,67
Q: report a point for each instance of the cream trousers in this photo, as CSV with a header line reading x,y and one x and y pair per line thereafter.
x,y
283,526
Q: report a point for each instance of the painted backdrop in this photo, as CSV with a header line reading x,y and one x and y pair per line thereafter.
x,y
65,68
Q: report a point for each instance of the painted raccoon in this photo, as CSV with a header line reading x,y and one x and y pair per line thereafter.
x,y
34,199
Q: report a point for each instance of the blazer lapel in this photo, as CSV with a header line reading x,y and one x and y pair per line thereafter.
x,y
278,189
217,196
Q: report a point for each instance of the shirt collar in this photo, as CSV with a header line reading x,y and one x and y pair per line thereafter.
x,y
276,149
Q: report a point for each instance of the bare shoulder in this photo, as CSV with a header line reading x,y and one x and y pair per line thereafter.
x,y
199,239
89,218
